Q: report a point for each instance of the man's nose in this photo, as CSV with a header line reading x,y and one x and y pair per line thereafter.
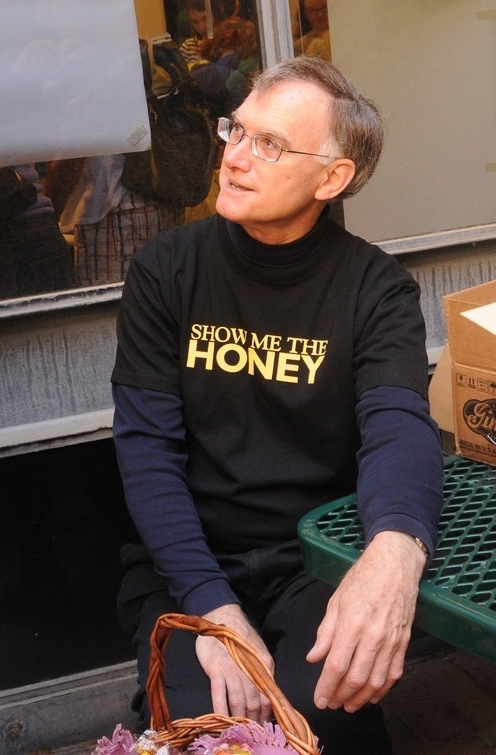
x,y
241,151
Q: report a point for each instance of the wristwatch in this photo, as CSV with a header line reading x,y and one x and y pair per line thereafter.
x,y
422,546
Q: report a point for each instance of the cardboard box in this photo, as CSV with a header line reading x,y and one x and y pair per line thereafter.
x,y
471,323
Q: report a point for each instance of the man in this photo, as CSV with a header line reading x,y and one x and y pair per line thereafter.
x,y
268,362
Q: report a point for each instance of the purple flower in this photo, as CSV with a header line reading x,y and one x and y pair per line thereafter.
x,y
122,743
268,739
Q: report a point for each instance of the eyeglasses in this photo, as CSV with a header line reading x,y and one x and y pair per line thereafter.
x,y
263,147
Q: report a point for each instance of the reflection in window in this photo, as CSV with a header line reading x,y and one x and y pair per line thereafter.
x,y
104,221
34,257
108,223
310,24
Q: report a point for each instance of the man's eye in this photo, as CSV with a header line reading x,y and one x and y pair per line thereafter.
x,y
237,129
267,144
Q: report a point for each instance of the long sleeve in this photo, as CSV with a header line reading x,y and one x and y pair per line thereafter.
x,y
149,436
400,482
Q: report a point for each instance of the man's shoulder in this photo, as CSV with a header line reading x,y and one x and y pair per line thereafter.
x,y
367,260
349,243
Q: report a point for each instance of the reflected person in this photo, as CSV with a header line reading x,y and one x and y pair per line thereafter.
x,y
313,37
35,258
109,222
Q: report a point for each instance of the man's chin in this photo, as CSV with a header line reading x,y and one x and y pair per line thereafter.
x,y
228,209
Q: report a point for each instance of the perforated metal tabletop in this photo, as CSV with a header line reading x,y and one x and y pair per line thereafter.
x,y
457,598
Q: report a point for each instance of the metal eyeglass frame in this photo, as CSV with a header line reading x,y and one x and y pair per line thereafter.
x,y
224,130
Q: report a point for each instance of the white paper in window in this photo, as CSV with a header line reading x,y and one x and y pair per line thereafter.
x,y
71,81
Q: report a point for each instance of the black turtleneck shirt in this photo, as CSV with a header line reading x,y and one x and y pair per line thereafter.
x,y
255,382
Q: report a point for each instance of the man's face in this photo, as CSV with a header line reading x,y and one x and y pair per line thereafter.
x,y
198,19
316,12
276,202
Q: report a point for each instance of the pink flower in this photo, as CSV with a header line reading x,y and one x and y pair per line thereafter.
x,y
266,740
122,743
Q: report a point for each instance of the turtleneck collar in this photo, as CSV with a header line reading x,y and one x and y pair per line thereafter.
x,y
279,255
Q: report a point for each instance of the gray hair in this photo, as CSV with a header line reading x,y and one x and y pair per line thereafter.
x,y
356,127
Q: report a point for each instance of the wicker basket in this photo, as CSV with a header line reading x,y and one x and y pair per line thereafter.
x,y
181,732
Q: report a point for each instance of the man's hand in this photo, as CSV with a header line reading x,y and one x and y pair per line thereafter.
x,y
232,692
367,625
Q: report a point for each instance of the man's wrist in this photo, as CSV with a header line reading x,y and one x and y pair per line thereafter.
x,y
219,615
397,542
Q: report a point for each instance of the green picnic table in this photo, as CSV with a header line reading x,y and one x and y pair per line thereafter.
x,y
457,597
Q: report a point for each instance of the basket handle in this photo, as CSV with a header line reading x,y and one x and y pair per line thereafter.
x,y
292,723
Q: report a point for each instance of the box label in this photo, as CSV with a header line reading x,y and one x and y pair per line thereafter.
x,y
480,417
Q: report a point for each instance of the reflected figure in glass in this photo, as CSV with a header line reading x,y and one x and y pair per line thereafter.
x,y
108,222
311,34
34,256
191,48
229,63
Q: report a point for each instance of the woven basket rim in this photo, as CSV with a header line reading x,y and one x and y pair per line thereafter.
x,y
182,732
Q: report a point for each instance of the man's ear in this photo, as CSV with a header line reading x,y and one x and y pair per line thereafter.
x,y
335,178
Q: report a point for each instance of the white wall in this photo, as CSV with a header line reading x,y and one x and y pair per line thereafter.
x,y
430,65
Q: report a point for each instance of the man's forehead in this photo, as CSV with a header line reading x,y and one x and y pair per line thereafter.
x,y
266,113
283,101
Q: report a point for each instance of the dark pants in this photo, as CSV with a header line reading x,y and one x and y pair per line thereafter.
x,y
286,604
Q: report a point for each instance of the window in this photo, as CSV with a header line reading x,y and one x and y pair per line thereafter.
x,y
101,220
